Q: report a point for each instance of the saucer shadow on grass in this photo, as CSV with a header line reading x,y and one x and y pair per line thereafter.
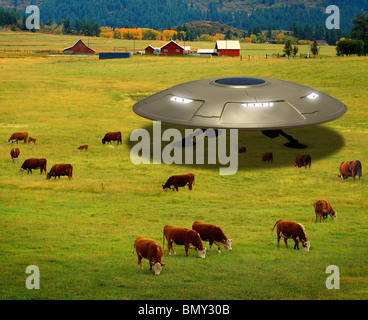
x,y
322,142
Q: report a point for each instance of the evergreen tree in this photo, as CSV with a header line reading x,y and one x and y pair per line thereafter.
x,y
288,48
360,30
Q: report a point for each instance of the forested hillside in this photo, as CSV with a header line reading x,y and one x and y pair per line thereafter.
x,y
158,14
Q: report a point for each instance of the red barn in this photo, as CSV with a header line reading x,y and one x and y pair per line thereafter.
x,y
228,48
79,47
149,50
172,49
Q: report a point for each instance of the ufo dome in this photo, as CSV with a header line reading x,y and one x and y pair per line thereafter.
x,y
241,103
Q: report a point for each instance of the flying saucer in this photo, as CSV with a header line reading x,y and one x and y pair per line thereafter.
x,y
241,103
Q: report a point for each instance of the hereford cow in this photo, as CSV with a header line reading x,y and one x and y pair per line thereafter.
x,y
183,236
14,153
304,160
151,250
18,136
213,234
112,136
267,157
30,139
322,208
174,182
61,170
351,169
84,147
292,230
32,163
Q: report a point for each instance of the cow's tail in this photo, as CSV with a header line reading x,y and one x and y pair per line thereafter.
x,y
275,225
274,228
359,169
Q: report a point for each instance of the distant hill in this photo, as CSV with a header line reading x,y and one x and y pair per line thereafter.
x,y
212,28
159,14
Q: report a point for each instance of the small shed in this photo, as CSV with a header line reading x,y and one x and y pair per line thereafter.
x,y
206,52
321,43
149,50
79,48
172,49
229,48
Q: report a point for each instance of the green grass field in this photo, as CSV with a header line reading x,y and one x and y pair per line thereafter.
x,y
80,233
28,41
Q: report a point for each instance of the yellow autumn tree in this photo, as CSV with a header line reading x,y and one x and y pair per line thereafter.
x,y
280,38
168,34
220,36
106,32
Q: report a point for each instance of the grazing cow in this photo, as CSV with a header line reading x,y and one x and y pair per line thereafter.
x,y
112,136
213,234
183,236
322,208
304,160
84,147
61,170
174,182
350,169
18,136
292,230
267,157
151,250
32,163
14,153
30,139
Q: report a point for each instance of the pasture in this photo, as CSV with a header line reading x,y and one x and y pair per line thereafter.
x,y
80,233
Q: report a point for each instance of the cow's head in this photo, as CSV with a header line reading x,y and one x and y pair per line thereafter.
x,y
333,215
164,187
48,176
306,245
21,170
157,267
226,243
103,141
201,252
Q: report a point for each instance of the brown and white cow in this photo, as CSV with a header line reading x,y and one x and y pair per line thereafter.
x,y
151,250
213,234
183,236
14,153
83,147
18,136
61,170
291,230
304,160
350,169
112,136
322,208
174,182
267,157
31,164
30,139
